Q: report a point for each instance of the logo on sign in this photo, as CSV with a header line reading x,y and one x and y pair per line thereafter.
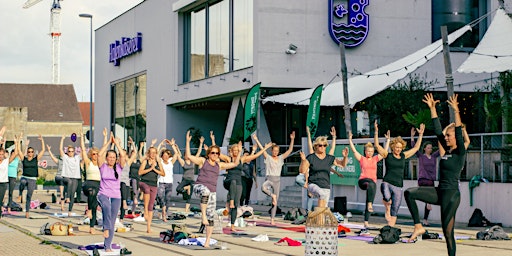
x,y
124,48
43,164
348,23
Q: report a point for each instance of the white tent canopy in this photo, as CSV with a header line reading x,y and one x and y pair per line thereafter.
x,y
494,52
370,83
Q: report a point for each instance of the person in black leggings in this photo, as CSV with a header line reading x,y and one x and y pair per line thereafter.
x,y
30,172
446,194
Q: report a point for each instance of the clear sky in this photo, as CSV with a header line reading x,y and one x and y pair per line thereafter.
x,y
25,45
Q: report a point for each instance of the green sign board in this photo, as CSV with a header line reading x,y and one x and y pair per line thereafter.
x,y
352,171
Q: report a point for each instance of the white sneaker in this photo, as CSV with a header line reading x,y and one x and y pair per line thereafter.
x,y
139,219
260,238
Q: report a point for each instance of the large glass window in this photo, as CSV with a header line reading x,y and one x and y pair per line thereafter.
x,y
218,38
197,44
454,15
242,36
129,109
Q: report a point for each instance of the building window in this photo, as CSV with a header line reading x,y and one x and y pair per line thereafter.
x,y
218,38
454,15
129,109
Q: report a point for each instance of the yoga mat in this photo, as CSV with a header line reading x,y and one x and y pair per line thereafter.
x,y
359,238
267,224
296,228
37,216
227,231
200,247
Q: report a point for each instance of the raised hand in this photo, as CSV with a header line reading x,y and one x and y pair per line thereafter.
x,y
413,132
49,147
345,152
267,146
104,132
302,156
452,101
350,135
212,136
388,135
188,136
422,128
429,99
292,135
376,126
201,140
333,132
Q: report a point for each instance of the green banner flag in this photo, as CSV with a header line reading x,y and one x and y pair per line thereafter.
x,y
314,110
252,102
352,171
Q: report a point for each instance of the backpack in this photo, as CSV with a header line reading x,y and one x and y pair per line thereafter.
x,y
167,236
478,219
493,233
388,235
45,229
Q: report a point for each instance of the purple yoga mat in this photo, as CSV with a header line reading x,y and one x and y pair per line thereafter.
x,y
359,238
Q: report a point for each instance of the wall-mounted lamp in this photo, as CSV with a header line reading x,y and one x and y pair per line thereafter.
x,y
245,80
292,49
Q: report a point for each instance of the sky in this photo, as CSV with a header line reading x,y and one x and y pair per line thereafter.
x,y
25,44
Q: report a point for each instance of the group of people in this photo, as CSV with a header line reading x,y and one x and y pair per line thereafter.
x,y
453,141
110,172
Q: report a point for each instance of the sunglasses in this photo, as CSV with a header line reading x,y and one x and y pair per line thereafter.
x,y
31,151
71,151
321,145
215,153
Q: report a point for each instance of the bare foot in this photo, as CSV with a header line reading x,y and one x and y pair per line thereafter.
x,y
108,250
26,215
272,222
125,205
370,207
148,231
274,200
418,231
206,245
205,221
91,231
231,204
233,228
89,214
105,233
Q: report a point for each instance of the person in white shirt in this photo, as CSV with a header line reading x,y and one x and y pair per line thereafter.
x,y
165,182
70,172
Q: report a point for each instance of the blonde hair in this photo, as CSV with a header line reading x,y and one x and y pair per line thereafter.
x,y
93,149
368,145
320,140
396,141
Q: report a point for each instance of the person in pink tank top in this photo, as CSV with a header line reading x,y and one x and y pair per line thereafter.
x,y
368,178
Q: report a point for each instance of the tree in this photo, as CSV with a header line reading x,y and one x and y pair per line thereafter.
x,y
403,98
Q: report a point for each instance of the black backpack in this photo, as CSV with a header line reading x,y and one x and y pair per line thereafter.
x,y
45,229
388,235
478,219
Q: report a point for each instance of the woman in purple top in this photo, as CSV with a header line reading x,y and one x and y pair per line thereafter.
x,y
427,174
109,195
205,186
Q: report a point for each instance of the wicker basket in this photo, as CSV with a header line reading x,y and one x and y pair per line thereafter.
x,y
321,233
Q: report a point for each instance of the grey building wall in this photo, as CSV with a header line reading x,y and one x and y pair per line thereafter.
x,y
397,28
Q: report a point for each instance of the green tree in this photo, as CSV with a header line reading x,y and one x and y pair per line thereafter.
x,y
390,106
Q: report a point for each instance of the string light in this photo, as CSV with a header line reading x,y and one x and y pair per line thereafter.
x,y
357,73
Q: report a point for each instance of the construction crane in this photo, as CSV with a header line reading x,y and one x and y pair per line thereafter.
x,y
54,33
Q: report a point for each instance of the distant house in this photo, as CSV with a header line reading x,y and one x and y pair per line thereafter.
x,y
86,115
47,109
